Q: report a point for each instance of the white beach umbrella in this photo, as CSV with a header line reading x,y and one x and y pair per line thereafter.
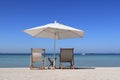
x,y
55,31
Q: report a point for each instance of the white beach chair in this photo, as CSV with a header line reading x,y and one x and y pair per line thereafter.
x,y
36,56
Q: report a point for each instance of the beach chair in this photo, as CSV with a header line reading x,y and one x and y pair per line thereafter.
x,y
36,56
66,55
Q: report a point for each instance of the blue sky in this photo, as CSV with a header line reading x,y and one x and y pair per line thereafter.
x,y
100,19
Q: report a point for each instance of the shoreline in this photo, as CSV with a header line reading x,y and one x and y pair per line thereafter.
x,y
98,73
59,53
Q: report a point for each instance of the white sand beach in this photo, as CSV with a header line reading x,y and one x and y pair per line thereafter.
x,y
108,73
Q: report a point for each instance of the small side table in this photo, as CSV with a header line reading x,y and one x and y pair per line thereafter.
x,y
51,66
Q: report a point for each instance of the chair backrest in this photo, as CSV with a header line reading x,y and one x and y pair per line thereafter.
x,y
36,54
66,54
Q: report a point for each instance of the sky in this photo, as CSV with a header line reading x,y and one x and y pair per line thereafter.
x,y
99,19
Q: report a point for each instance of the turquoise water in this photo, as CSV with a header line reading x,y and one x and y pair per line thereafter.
x,y
101,60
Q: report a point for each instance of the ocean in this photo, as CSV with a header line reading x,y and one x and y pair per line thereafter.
x,y
88,60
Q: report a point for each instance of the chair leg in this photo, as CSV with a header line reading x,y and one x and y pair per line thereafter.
x,y
31,62
72,65
31,65
43,66
60,66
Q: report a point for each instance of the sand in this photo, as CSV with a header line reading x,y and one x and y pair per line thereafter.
x,y
108,73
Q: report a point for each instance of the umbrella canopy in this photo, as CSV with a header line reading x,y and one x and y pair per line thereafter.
x,y
55,31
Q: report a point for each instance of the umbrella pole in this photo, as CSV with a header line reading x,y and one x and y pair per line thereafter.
x,y
54,48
